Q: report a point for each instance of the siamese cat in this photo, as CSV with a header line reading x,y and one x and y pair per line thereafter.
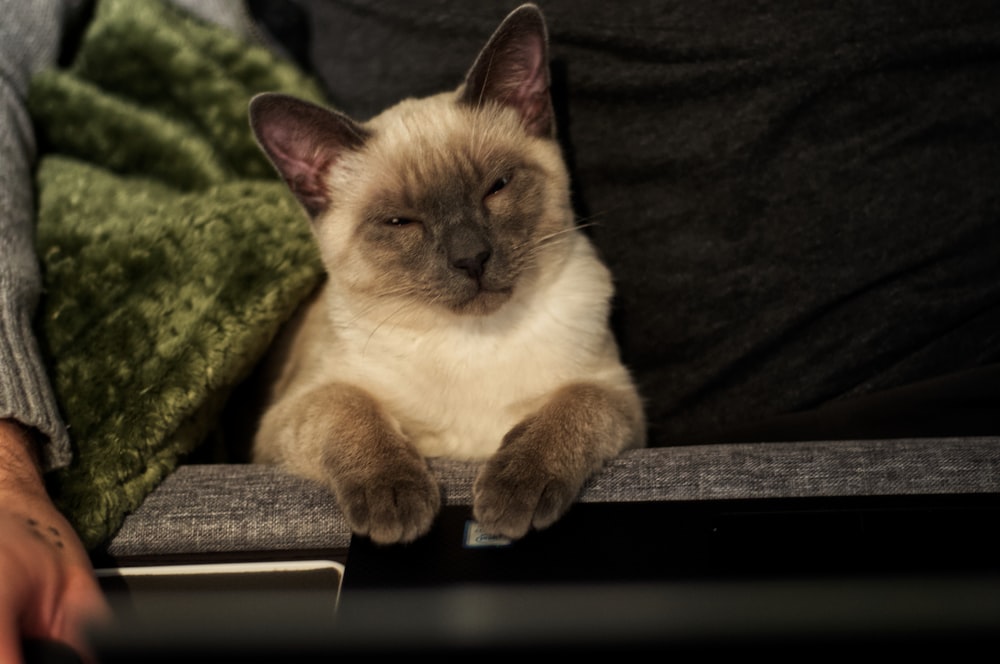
x,y
463,313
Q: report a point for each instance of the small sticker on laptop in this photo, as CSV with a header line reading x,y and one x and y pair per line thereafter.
x,y
475,538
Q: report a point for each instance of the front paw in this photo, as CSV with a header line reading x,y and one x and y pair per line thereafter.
x,y
515,492
395,503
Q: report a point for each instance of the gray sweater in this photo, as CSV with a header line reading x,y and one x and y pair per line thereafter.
x,y
29,40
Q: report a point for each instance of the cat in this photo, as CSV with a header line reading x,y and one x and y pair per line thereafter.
x,y
463,314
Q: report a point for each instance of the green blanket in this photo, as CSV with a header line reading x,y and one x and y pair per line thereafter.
x,y
171,252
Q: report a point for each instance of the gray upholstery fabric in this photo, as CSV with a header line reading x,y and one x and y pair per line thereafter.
x,y
204,509
231,508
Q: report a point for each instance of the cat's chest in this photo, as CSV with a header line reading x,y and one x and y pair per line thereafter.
x,y
456,388
455,393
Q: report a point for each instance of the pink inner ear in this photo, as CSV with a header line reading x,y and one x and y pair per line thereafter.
x,y
303,140
532,95
512,69
310,187
536,80
302,164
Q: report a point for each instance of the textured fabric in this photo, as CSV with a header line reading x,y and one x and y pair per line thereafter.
x,y
219,508
29,42
263,510
798,199
171,253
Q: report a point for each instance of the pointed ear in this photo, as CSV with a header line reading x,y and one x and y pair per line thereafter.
x,y
513,70
303,141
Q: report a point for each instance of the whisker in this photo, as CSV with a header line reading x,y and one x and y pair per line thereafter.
x,y
588,224
588,220
385,320
565,231
537,242
405,291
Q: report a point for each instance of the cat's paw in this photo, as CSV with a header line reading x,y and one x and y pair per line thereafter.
x,y
396,504
515,492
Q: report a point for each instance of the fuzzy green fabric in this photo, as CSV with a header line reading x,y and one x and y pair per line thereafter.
x,y
171,252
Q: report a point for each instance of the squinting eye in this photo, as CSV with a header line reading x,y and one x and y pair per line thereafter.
x,y
399,221
498,185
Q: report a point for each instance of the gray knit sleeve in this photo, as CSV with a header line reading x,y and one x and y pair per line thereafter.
x,y
30,35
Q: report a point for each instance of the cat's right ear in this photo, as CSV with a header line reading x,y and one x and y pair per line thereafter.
x,y
303,141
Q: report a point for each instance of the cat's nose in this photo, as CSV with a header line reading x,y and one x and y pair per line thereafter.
x,y
472,266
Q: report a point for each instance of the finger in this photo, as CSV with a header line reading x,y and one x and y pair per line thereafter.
x,y
10,637
84,610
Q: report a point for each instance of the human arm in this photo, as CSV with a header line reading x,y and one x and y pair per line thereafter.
x,y
29,40
48,589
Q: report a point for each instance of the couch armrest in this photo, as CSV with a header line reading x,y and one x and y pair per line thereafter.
x,y
253,511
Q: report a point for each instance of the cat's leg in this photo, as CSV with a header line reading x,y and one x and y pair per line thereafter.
x,y
339,435
543,462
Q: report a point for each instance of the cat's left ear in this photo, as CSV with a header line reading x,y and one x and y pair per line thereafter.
x,y
513,70
303,141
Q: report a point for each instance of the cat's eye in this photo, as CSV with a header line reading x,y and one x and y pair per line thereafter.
x,y
399,221
498,185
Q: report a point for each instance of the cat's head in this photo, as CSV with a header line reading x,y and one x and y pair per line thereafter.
x,y
455,201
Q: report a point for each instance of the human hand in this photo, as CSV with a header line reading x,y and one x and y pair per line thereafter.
x,y
48,588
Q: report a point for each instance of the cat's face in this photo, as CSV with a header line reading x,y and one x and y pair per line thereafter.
x,y
454,202
445,205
